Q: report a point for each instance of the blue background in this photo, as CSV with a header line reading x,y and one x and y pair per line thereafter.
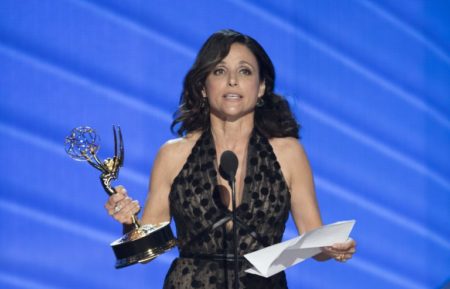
x,y
368,80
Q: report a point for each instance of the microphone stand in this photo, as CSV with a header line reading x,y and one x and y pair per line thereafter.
x,y
235,239
228,165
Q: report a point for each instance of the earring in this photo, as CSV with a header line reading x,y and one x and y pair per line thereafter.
x,y
260,102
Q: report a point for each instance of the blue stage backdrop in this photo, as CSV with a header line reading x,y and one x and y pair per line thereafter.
x,y
368,80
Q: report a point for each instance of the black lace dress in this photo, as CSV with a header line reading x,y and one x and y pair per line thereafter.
x,y
205,244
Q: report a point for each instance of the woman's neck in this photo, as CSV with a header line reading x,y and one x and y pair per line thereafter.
x,y
231,135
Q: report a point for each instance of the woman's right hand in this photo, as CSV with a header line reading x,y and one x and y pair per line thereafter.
x,y
121,207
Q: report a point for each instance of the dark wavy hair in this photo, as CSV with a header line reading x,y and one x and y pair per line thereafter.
x,y
273,119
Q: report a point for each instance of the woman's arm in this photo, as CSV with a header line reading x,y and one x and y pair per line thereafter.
x,y
165,167
297,172
167,164
304,207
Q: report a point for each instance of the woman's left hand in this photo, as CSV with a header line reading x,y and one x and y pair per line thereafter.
x,y
341,251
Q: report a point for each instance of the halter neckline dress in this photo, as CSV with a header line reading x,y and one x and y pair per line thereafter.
x,y
205,245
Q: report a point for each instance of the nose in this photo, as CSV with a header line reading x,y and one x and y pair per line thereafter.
x,y
232,80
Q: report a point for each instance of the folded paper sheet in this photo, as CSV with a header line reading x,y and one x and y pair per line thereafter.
x,y
273,259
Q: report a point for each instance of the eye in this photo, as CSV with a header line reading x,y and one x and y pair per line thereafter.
x,y
245,71
218,71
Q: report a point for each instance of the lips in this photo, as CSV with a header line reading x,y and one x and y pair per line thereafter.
x,y
232,96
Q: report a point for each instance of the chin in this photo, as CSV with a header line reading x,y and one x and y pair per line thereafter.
x,y
233,114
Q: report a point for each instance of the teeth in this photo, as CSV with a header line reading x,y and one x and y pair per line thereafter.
x,y
232,95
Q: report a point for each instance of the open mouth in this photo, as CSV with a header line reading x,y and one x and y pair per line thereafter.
x,y
232,96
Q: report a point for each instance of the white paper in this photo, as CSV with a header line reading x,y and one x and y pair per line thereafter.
x,y
273,259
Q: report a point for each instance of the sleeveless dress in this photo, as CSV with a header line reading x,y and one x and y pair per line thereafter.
x,y
205,245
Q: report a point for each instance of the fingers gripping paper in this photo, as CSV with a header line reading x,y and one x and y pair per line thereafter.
x,y
276,258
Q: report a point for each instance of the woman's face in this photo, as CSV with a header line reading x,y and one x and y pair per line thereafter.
x,y
233,86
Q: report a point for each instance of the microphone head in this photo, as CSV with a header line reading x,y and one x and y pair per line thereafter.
x,y
228,165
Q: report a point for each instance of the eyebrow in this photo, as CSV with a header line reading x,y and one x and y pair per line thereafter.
x,y
240,62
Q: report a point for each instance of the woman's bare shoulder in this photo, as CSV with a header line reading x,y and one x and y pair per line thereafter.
x,y
287,146
290,154
178,148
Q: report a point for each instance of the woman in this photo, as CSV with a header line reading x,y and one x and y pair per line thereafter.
x,y
228,103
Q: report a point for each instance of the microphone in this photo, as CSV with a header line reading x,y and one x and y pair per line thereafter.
x,y
228,166
227,169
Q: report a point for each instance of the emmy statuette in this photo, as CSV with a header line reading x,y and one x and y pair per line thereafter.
x,y
144,242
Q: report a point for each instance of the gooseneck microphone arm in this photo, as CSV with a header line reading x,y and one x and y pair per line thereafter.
x,y
228,167
235,241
